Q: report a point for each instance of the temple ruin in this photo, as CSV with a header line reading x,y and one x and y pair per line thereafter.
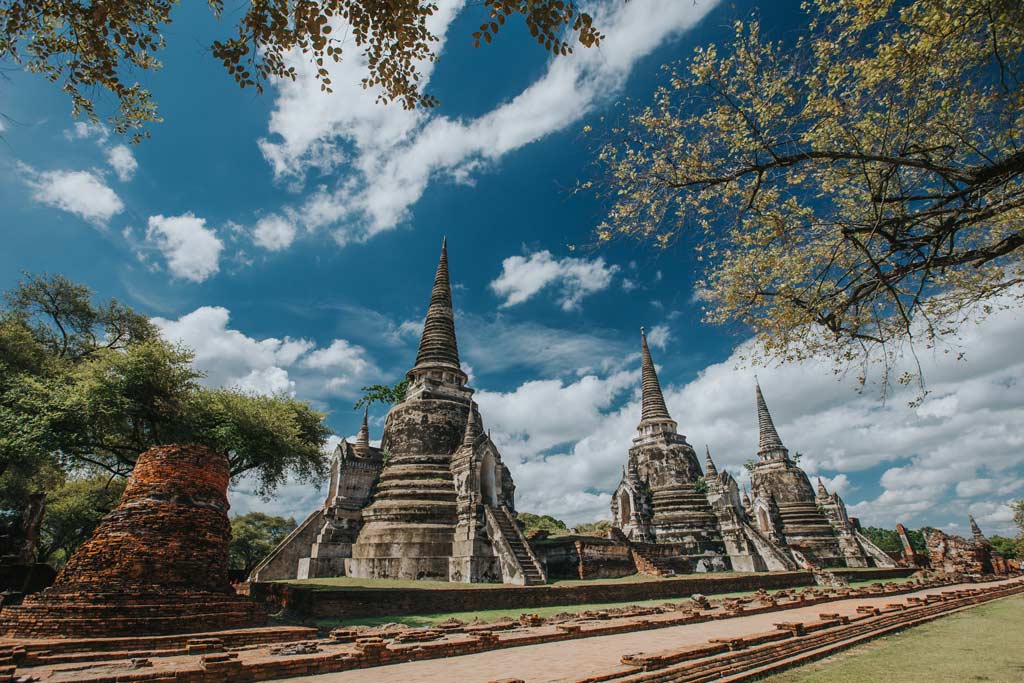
x,y
434,501
157,564
664,498
973,556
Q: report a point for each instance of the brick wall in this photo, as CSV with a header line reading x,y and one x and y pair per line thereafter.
x,y
305,602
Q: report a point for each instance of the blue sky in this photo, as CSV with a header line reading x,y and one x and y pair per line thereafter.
x,y
291,238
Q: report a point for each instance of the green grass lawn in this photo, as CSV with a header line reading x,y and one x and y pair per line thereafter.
x,y
980,644
495,615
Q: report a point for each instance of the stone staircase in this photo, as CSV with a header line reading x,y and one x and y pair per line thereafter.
x,y
683,515
645,560
804,519
529,566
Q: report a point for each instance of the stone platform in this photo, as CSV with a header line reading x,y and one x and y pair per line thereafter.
x,y
747,634
317,602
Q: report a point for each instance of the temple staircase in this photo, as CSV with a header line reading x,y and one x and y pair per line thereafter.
x,y
511,538
646,562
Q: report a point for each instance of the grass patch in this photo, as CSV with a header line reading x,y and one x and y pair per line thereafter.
x,y
984,643
423,620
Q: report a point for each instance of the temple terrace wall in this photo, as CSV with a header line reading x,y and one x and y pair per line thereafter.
x,y
313,602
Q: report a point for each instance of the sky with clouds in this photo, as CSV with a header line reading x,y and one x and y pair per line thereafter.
x,y
290,239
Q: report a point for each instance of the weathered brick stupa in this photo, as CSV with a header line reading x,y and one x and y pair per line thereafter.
x,y
443,508
157,564
662,496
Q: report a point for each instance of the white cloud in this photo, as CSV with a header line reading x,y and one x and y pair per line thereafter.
x,y
522,277
340,355
230,358
658,336
87,131
192,250
122,160
392,154
274,233
960,455
82,193
268,381
494,345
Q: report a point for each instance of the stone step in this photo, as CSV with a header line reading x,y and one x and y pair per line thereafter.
x,y
416,471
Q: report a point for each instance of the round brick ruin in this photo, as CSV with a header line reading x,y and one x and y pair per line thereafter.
x,y
157,564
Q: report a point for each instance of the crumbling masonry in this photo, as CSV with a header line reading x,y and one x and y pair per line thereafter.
x,y
157,564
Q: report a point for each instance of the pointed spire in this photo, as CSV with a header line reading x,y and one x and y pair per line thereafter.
x,y
363,439
768,438
438,345
822,491
746,497
472,429
975,529
653,401
709,465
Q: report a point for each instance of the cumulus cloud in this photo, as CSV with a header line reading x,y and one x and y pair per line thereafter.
x,y
230,358
658,336
957,453
82,193
122,160
87,130
192,250
524,276
494,345
274,233
391,154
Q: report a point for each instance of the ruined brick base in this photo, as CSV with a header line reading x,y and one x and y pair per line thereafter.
x,y
53,613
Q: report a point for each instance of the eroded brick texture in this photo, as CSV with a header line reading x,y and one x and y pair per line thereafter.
x,y
158,563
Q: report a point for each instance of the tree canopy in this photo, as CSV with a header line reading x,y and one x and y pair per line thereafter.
x,y
532,522
73,511
889,540
92,386
253,536
383,393
849,193
92,45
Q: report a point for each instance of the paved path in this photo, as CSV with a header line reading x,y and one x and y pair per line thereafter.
x,y
573,659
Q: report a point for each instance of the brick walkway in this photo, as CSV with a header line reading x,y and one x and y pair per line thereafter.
x,y
572,660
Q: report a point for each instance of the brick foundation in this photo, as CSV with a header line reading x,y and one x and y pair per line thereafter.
x,y
306,602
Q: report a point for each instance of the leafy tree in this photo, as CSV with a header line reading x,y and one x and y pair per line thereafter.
x,y
1007,547
94,385
850,194
532,522
73,510
598,528
889,540
92,45
254,535
382,393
